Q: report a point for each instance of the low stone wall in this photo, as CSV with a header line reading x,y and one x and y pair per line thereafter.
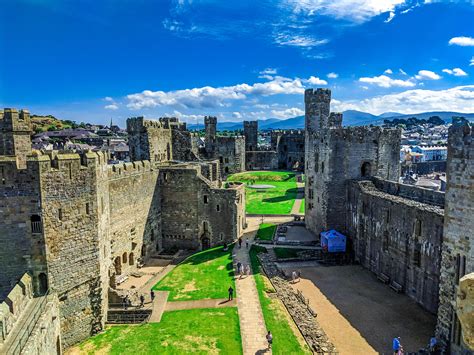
x,y
303,316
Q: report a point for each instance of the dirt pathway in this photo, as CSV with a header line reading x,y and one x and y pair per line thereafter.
x,y
299,199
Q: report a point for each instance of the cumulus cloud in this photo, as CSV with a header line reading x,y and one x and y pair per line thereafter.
x,y
269,71
316,81
352,10
427,74
109,99
455,72
386,82
213,97
112,107
287,113
332,75
462,41
388,71
459,99
471,62
236,114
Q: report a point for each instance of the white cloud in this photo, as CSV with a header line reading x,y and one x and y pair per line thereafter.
x,y
459,99
112,107
427,74
402,71
390,17
388,71
332,75
455,72
286,39
236,115
471,62
353,10
212,97
269,71
316,81
289,112
387,82
108,98
462,41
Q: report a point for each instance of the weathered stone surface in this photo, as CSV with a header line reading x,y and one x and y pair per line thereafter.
x,y
465,308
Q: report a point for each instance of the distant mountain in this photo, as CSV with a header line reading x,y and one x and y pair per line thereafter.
x,y
350,118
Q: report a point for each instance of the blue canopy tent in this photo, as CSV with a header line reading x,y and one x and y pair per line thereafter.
x,y
333,242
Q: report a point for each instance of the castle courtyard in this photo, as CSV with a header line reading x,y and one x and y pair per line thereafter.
x,y
361,315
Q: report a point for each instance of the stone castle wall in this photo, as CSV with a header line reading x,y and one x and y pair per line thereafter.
x,y
36,320
458,242
396,238
149,140
289,145
251,135
261,160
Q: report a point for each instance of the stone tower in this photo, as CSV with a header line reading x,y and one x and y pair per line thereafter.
x,y
210,123
251,135
457,254
15,134
336,154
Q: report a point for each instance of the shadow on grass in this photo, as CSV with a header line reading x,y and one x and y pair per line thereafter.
x,y
266,231
290,194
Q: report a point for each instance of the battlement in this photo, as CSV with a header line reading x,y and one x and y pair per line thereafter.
x,y
335,119
15,121
365,133
251,124
318,95
460,138
126,169
172,123
210,120
293,132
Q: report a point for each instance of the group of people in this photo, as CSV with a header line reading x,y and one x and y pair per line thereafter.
x,y
432,347
243,269
128,303
246,242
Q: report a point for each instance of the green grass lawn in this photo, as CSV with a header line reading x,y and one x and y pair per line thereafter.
x,y
266,231
207,274
286,253
276,318
277,200
197,331
302,206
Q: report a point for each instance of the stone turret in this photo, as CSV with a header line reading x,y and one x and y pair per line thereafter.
x,y
251,135
457,254
15,134
210,123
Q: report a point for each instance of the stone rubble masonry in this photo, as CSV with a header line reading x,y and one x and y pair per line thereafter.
x,y
251,135
20,310
458,241
306,322
465,308
76,224
15,131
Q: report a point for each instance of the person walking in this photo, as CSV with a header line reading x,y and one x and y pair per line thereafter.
x,y
293,276
152,295
231,293
240,242
247,270
396,346
142,300
269,337
246,243
239,266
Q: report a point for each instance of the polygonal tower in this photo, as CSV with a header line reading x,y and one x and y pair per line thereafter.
x,y
210,123
251,135
15,134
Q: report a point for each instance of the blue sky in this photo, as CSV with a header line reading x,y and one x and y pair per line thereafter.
x,y
96,60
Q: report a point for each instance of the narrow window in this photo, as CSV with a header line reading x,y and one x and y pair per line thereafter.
x,y
60,214
417,254
418,227
124,258
206,199
218,208
70,171
385,241
36,226
2,175
88,209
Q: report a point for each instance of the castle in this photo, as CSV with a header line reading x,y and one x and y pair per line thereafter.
x,y
75,224
71,224
416,240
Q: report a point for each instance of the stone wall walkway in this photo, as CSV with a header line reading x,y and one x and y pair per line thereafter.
x,y
252,324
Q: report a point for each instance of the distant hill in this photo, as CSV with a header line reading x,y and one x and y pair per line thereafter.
x,y
350,118
49,123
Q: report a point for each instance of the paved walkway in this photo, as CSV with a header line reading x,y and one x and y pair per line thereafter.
x,y
299,199
205,303
252,324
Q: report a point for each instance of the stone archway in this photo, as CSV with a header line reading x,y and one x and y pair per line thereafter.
x,y
205,242
366,169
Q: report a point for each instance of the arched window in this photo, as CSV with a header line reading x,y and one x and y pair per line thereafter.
x,y
131,260
118,265
365,169
124,258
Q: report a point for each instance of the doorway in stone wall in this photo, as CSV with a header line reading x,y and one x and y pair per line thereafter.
x,y
205,243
